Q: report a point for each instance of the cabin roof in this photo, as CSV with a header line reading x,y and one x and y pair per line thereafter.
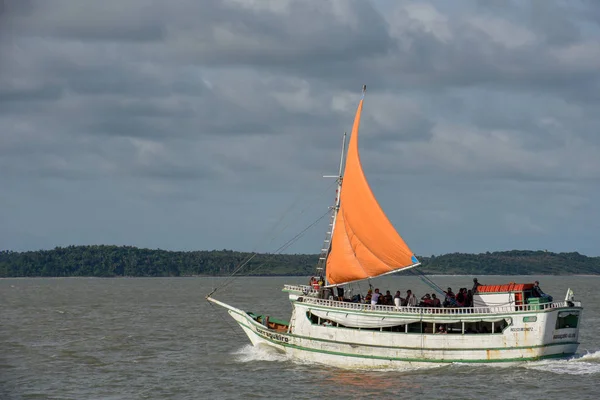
x,y
509,287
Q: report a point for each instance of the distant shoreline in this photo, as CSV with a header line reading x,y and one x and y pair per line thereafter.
x,y
126,261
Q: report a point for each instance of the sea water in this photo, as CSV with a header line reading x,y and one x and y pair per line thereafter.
x,y
158,338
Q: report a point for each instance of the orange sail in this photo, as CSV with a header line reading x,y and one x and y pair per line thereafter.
x,y
364,242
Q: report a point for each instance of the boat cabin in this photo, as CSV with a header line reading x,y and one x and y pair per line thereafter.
x,y
518,294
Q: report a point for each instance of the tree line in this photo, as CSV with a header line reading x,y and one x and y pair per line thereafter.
x,y
116,261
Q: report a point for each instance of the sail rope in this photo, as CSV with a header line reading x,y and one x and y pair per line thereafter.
x,y
226,320
277,251
429,282
254,252
278,222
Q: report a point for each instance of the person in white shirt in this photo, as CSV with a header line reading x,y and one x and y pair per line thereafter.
x,y
411,300
375,297
398,299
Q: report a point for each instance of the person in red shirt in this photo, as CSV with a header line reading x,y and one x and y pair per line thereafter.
x,y
435,302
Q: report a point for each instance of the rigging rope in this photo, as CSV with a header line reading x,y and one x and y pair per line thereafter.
x,y
432,284
253,254
227,322
279,250
279,220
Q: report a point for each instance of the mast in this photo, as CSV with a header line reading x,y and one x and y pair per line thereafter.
x,y
335,208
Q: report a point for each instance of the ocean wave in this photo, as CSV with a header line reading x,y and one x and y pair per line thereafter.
x,y
586,364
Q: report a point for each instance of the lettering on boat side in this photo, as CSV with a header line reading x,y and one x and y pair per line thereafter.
x,y
564,336
521,329
274,336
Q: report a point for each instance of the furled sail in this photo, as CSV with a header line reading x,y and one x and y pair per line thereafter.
x,y
364,242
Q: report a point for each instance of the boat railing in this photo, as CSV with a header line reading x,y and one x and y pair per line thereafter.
x,y
438,310
305,289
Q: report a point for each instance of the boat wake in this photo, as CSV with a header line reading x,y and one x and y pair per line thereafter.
x,y
586,364
590,356
250,353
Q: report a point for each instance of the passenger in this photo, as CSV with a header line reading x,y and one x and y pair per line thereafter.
x,y
442,329
375,297
469,302
368,296
435,302
475,285
461,297
450,299
315,283
426,301
411,299
398,299
340,293
389,300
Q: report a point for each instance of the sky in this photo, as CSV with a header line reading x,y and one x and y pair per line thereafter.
x,y
200,125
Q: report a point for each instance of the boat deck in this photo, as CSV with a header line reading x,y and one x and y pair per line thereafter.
x,y
277,325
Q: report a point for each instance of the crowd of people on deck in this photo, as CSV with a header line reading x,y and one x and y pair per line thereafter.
x,y
464,297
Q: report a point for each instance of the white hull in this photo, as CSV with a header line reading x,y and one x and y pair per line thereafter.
x,y
368,348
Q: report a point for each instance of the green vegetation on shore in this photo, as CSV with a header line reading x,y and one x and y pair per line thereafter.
x,y
114,261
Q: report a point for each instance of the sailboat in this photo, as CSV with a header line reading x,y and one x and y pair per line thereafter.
x,y
503,323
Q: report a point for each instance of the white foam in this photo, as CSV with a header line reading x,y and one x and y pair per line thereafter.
x,y
249,353
591,356
586,364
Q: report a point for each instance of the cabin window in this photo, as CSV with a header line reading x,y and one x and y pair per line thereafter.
x,y
479,327
466,327
416,327
500,326
454,328
567,319
530,319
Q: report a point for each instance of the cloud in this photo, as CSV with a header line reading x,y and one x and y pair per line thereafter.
x,y
212,109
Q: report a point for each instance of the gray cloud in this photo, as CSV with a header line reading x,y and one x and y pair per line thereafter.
x,y
217,111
